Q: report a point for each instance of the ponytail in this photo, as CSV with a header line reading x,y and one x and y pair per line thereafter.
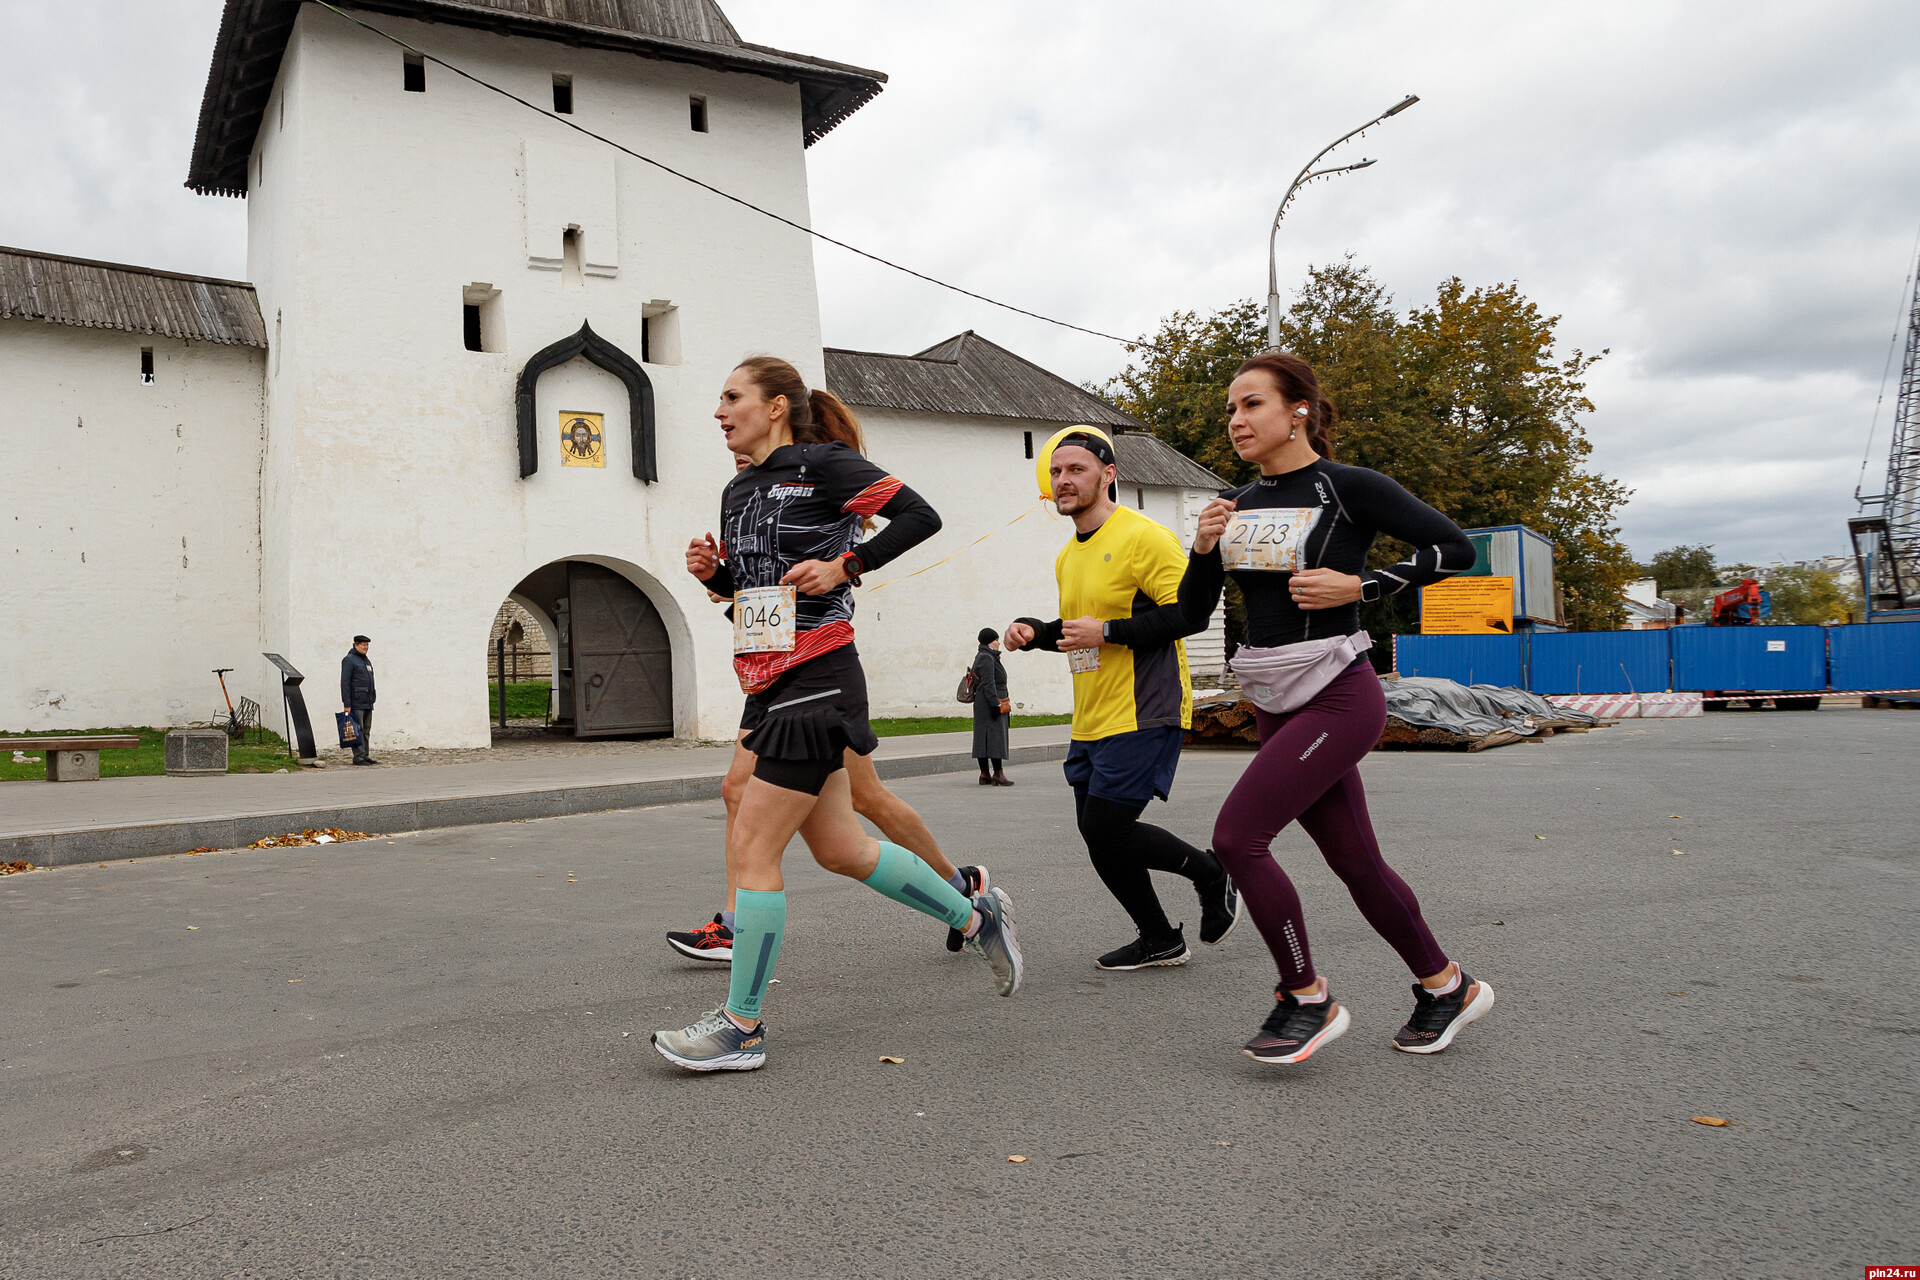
x,y
832,420
815,417
1296,380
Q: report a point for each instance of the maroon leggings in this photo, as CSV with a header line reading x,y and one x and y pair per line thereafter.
x,y
1308,769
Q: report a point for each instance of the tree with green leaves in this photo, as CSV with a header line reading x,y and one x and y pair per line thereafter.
x,y
1806,597
1682,567
1465,402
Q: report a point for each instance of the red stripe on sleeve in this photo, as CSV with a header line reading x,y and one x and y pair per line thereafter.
x,y
869,500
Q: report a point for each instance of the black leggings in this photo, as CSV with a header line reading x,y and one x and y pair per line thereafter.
x,y
1124,849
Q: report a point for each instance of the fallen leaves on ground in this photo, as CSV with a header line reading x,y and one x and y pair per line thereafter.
x,y
1714,1121
1679,853
312,835
14,868
1016,1159
895,1061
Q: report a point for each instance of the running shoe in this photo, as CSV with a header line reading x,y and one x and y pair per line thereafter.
x,y
711,941
976,878
1293,1030
994,942
1219,909
1437,1020
715,1043
1143,953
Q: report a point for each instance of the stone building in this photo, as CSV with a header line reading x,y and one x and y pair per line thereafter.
x,y
476,362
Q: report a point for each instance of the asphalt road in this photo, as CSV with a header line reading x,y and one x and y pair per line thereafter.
x,y
428,1057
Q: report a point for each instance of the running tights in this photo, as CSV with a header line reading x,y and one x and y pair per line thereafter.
x,y
1124,849
1308,769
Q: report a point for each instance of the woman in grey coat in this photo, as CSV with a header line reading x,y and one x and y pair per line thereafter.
x,y
991,711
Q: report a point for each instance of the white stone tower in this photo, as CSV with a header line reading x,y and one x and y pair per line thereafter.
x,y
417,241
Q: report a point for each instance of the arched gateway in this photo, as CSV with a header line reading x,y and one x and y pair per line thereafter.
x,y
612,657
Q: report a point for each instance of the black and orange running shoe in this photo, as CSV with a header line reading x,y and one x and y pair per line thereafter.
x,y
711,941
978,883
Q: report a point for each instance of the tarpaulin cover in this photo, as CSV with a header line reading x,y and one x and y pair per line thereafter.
x,y
1428,702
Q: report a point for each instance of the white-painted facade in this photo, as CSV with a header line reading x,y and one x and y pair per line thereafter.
x,y
131,549
362,474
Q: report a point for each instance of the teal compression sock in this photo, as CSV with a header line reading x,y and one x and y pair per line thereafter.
x,y
759,923
904,878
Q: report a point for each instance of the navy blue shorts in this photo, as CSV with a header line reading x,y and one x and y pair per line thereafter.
x,y
1128,768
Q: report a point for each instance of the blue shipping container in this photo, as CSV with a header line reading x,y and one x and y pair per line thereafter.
x,y
1709,659
1881,655
1466,659
1599,662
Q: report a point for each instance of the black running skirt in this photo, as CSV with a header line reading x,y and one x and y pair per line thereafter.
x,y
815,711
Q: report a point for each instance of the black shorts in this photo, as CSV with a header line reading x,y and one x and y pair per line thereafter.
x,y
814,713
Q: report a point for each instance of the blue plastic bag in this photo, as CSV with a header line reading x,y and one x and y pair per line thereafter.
x,y
349,731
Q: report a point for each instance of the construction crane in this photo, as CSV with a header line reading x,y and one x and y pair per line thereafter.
x,y
1886,533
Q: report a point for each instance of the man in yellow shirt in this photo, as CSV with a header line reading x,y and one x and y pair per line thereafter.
x,y
1120,626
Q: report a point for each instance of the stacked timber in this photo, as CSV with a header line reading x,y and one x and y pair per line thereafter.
x,y
1230,723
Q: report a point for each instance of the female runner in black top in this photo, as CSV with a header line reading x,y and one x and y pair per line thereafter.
x,y
788,556
1309,523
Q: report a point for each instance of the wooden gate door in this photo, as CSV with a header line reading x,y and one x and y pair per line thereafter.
x,y
622,662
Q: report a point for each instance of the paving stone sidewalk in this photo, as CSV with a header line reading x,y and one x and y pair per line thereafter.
x,y
60,824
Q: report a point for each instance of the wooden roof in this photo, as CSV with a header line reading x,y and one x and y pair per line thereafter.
x,y
967,374
1141,458
109,295
254,34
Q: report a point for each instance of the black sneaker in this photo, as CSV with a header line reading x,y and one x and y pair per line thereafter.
x,y
1143,953
1219,909
712,941
977,884
1293,1030
1437,1020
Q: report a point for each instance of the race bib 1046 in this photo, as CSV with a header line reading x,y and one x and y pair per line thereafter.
x,y
1083,662
1271,538
763,620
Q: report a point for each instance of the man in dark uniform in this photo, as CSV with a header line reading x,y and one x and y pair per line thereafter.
x,y
356,696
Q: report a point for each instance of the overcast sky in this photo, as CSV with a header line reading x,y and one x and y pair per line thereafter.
x,y
1724,195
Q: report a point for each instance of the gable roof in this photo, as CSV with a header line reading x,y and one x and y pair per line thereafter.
x,y
109,295
967,374
1141,458
254,33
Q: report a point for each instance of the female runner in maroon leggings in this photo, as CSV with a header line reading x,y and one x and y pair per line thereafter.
x,y
1298,538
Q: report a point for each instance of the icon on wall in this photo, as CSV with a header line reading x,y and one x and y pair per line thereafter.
x,y
582,443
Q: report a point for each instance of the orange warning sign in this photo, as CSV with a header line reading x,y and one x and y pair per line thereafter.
x,y
1467,607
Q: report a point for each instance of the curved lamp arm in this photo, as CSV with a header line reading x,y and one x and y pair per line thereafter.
x,y
1307,174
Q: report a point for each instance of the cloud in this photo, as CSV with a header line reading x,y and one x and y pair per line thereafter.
x,y
1723,195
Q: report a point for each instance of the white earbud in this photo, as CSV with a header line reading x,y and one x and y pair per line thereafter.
x,y
1301,412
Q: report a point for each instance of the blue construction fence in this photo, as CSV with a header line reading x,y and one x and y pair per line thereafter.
x,y
1864,657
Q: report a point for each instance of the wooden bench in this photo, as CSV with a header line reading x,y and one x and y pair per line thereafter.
x,y
74,758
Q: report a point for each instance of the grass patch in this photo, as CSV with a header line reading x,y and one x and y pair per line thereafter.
x,y
526,699
951,724
148,759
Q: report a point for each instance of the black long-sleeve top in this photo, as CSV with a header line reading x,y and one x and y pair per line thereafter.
x,y
807,502
1351,506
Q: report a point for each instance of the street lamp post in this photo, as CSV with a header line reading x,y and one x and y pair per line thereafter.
x,y
1306,175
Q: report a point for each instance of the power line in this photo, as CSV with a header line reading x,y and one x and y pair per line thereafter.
x,y
1906,292
727,195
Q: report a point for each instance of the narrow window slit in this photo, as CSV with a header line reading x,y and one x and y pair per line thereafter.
x,y
697,113
415,75
1029,436
562,94
471,314
146,366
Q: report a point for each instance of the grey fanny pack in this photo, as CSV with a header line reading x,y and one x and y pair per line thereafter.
x,y
1286,678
